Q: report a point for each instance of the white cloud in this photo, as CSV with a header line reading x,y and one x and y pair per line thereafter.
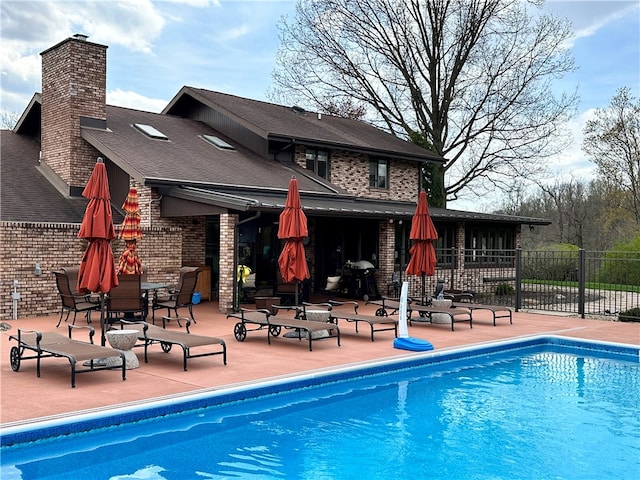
x,y
134,100
196,3
573,162
589,17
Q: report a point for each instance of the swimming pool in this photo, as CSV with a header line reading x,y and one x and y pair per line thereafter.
x,y
544,407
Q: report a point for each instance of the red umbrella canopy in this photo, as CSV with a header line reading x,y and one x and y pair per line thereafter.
x,y
293,221
98,219
97,271
129,262
423,232
422,227
293,228
292,262
130,228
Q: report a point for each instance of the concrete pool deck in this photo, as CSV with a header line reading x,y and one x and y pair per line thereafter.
x,y
26,398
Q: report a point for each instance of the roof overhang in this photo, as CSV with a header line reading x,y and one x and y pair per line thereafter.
x,y
352,148
319,205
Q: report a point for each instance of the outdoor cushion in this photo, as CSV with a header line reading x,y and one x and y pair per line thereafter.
x,y
332,283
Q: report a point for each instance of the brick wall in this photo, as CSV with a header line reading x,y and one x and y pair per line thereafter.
x,y
73,85
387,238
350,171
227,279
22,245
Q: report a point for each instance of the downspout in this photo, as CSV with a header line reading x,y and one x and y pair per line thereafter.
x,y
236,235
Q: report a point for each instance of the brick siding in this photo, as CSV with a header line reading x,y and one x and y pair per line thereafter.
x,y
56,245
74,76
350,171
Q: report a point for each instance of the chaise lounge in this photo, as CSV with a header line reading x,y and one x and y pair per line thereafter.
x,y
265,319
150,334
425,312
376,323
51,344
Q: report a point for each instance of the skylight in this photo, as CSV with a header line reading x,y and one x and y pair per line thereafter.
x,y
150,131
218,142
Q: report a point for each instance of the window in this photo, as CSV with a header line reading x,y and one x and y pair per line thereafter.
x,y
218,142
379,173
489,245
318,162
150,131
445,244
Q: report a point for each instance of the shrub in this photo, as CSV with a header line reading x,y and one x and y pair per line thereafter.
x,y
631,315
621,265
505,289
555,262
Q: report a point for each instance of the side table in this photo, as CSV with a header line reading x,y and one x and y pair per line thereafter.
x,y
319,316
441,317
124,340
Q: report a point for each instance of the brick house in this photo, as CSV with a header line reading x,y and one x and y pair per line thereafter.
x,y
212,172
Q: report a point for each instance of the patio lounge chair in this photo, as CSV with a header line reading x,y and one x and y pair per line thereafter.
x,y
376,323
264,319
425,312
151,334
387,306
496,310
51,344
72,302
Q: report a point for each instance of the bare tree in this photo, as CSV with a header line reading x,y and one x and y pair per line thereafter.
x,y
612,140
8,119
472,78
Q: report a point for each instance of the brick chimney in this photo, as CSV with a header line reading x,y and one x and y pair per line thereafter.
x,y
74,78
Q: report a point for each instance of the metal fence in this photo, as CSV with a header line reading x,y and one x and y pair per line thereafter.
x,y
569,281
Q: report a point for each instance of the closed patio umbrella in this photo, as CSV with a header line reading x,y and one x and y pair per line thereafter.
x,y
97,272
423,233
293,229
129,262
422,262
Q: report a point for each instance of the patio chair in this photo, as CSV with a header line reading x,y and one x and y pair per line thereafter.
x,y
183,297
126,299
72,273
72,302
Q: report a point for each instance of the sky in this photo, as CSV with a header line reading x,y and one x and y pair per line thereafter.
x,y
229,46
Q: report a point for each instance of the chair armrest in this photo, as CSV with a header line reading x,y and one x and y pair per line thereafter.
x,y
92,331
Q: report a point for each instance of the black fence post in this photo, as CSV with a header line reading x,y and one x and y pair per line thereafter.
x,y
581,282
454,261
518,305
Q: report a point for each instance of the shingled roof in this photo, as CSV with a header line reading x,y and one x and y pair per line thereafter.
x,y
293,124
186,158
187,167
27,195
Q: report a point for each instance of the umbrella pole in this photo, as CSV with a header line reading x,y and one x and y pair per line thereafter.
x,y
296,293
424,298
103,339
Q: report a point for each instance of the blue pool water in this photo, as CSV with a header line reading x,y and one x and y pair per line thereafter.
x,y
542,408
